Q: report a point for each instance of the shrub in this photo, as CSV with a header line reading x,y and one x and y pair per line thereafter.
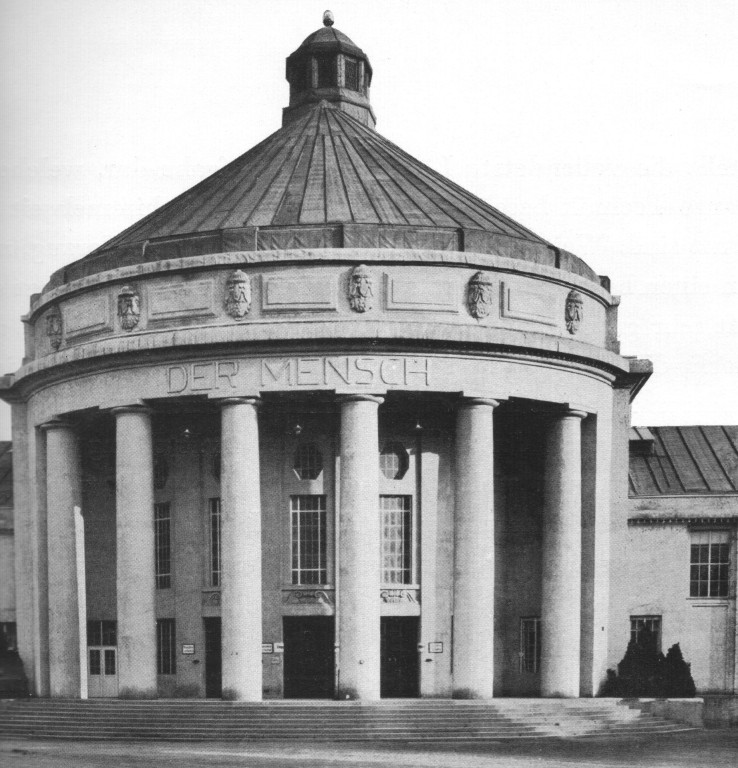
x,y
646,672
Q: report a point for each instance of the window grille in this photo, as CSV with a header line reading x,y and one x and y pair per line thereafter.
x,y
651,623
393,461
709,564
102,633
351,72
214,516
163,545
166,647
530,644
397,539
309,540
308,461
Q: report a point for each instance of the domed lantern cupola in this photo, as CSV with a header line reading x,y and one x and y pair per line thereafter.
x,y
329,67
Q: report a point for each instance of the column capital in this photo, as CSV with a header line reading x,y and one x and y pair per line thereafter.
x,y
56,423
471,402
252,400
360,397
571,412
139,408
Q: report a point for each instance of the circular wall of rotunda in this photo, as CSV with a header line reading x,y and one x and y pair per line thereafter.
x,y
326,424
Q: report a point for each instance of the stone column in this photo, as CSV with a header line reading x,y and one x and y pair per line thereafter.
x,y
474,569
359,531
63,493
241,550
562,557
134,505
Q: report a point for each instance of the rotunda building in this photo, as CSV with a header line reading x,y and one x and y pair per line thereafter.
x,y
325,425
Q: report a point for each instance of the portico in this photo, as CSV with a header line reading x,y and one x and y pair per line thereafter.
x,y
449,439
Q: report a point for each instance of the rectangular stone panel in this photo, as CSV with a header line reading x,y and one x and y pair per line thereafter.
x,y
300,294
411,294
87,315
284,238
193,299
534,306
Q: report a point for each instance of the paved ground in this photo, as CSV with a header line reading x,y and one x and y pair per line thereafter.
x,y
694,750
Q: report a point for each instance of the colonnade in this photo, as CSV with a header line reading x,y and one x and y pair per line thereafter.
x,y
359,578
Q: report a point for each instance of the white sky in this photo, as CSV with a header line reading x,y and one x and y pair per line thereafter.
x,y
609,127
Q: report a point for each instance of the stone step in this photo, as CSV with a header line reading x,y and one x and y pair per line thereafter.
x,y
416,721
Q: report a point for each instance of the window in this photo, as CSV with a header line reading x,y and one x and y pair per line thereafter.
x,y
650,623
163,545
214,518
530,644
397,539
709,564
351,72
309,540
326,71
102,633
393,461
308,461
8,637
166,647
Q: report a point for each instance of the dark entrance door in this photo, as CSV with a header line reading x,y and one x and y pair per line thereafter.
x,y
213,686
309,657
400,676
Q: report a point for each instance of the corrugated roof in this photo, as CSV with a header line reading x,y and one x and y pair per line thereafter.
x,y
324,168
684,460
6,473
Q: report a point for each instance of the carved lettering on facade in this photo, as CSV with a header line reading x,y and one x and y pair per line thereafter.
x,y
54,327
202,377
574,311
480,295
238,294
361,289
289,372
129,308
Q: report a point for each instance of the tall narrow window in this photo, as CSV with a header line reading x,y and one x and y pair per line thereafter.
x,y
326,71
530,644
309,540
163,545
214,517
166,647
709,564
397,539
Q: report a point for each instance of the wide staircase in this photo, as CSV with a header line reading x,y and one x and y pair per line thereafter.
x,y
388,720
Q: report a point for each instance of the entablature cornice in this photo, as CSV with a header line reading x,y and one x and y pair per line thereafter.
x,y
312,337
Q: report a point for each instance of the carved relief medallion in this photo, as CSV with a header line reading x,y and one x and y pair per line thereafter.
x,y
238,294
361,289
129,308
574,311
54,327
480,295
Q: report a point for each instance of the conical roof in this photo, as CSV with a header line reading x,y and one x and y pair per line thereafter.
x,y
325,168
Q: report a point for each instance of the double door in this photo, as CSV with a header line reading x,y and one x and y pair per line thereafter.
x,y
102,671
